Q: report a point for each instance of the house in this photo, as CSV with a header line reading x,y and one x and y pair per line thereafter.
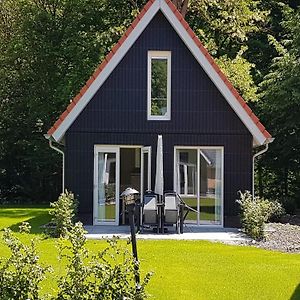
x,y
159,79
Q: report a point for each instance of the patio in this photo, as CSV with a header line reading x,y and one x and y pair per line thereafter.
x,y
191,232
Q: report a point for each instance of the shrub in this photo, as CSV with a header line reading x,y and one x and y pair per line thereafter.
x,y
255,212
21,273
63,214
108,275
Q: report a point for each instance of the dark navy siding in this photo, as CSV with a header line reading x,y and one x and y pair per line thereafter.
x,y
118,115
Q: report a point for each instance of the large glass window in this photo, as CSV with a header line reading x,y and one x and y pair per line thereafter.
x,y
106,187
199,182
159,85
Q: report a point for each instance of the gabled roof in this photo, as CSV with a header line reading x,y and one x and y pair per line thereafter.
x,y
260,134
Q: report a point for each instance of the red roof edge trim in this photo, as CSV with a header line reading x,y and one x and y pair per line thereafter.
x,y
128,31
178,15
148,5
135,22
261,127
196,41
51,130
97,72
191,32
70,106
248,109
122,39
185,23
77,98
90,81
236,95
141,14
83,89
242,101
64,114
100,67
254,118
217,69
109,56
267,134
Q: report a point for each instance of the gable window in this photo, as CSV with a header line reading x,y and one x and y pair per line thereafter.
x,y
159,85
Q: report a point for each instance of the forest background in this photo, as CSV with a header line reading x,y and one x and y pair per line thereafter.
x,y
49,48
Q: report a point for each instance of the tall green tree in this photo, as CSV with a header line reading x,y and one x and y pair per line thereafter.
x,y
48,50
225,27
280,109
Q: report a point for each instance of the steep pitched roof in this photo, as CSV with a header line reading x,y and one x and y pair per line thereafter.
x,y
260,134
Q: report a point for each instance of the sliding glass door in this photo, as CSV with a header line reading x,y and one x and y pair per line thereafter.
x,y
115,169
199,181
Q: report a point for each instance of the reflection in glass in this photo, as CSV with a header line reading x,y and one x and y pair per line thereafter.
x,y
187,179
106,187
210,186
159,86
202,191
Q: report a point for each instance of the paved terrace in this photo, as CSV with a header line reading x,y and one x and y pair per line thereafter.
x,y
190,233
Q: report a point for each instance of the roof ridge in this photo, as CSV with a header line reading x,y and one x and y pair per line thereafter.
x,y
197,42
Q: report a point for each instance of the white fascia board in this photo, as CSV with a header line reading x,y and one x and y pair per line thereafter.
x,y
111,65
214,76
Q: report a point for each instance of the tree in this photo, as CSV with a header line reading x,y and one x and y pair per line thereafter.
x,y
182,6
224,27
49,49
280,108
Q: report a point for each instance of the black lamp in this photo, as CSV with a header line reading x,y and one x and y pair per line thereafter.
x,y
129,197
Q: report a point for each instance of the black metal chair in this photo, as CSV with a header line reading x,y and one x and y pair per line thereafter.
x,y
184,211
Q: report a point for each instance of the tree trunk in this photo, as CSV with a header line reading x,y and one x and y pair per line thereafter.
x,y
181,5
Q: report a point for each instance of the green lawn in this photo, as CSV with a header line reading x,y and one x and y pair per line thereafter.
x,y
187,269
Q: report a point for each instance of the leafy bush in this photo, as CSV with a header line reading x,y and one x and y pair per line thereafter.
x,y
255,212
21,273
108,275
63,214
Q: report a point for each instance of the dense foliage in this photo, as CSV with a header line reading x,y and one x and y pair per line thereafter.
x,y
280,109
109,274
48,49
255,212
22,273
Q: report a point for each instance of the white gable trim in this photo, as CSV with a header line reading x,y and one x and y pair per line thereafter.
x,y
258,137
111,65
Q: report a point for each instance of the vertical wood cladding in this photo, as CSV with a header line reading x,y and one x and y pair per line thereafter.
x,y
117,115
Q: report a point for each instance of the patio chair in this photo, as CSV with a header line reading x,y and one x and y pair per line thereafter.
x,y
184,210
150,210
171,210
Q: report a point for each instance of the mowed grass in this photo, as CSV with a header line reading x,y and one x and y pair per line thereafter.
x,y
183,269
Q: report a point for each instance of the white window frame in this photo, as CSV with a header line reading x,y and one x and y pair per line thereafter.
x,y
159,55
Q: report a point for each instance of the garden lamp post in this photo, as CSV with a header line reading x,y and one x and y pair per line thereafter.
x,y
129,197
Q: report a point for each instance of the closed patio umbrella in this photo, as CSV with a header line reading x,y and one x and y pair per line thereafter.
x,y
159,179
159,176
